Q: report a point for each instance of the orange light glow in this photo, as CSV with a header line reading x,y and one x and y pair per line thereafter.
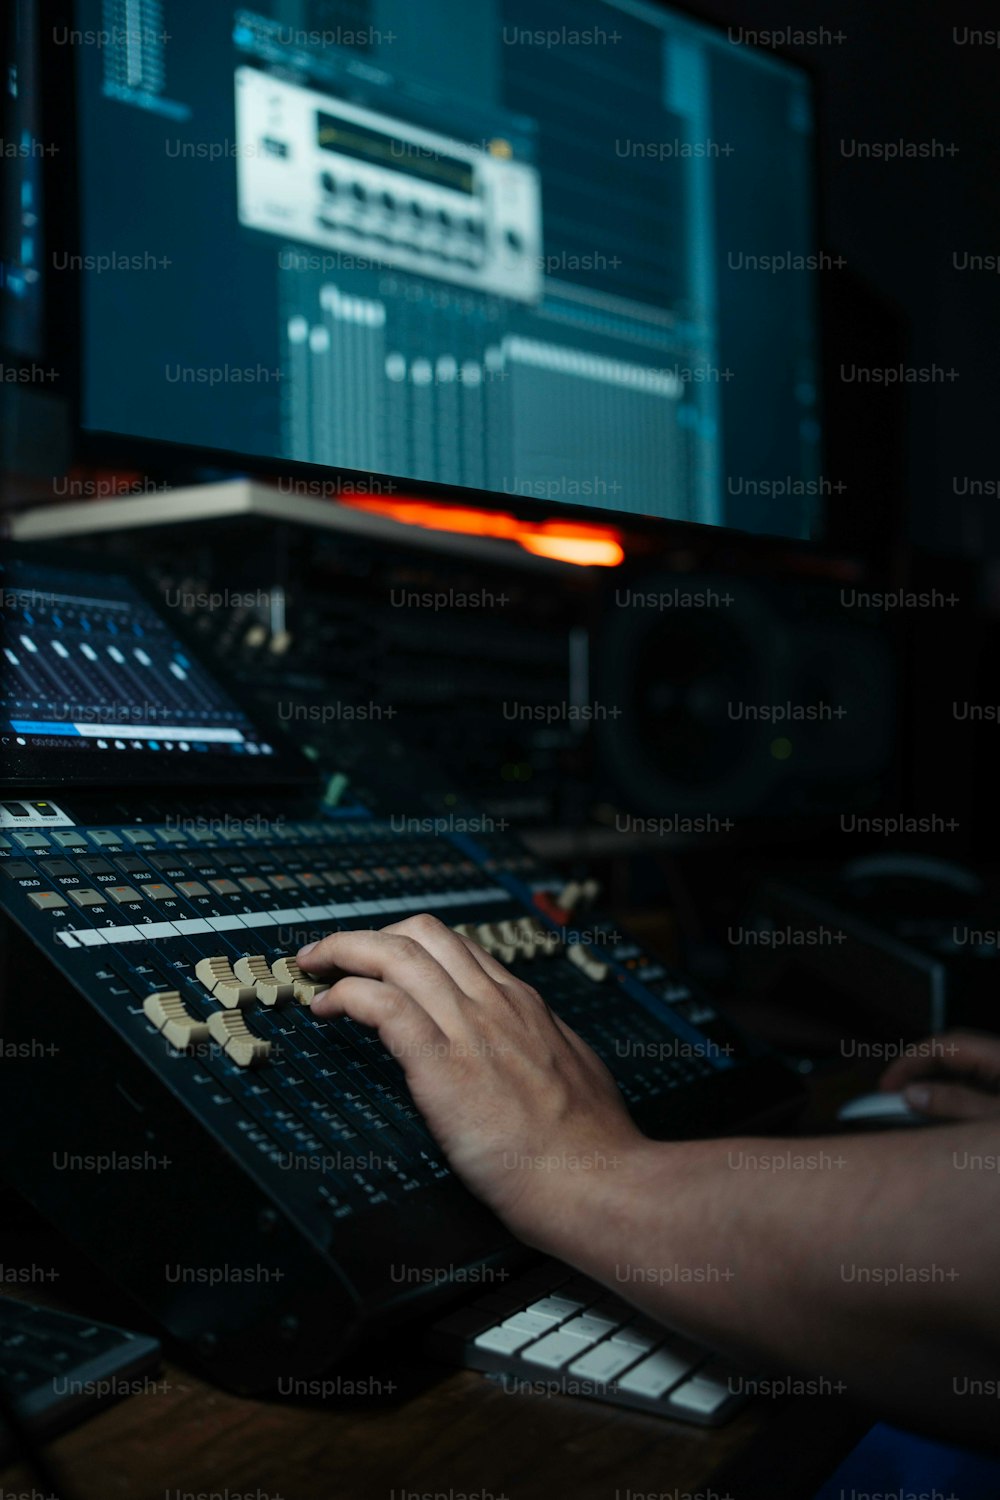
x,y
577,542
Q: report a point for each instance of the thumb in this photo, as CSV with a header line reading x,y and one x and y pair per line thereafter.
x,y
951,1101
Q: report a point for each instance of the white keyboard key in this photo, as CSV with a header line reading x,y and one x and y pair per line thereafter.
x,y
504,1340
634,1339
588,1327
554,1351
699,1397
604,1362
531,1322
656,1374
558,1308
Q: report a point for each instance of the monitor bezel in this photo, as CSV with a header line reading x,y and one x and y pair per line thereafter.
x,y
43,770
177,463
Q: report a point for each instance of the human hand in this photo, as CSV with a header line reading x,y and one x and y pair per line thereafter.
x,y
524,1109
955,1076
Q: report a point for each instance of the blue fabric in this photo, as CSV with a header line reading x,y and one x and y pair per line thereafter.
x,y
896,1465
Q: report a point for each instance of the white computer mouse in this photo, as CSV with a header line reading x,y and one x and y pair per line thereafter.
x,y
880,1109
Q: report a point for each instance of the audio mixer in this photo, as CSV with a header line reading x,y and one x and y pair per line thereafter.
x,y
252,1174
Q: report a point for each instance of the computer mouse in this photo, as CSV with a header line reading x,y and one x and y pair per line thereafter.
x,y
880,1109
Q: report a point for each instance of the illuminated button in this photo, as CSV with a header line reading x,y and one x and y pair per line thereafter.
x,y
85,895
122,894
158,892
545,904
139,836
46,900
283,882
102,837
69,840
172,1019
192,888
216,974
268,987
228,1028
310,881
253,883
303,988
32,840
225,887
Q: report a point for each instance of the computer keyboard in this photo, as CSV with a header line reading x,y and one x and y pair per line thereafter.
x,y
550,1331
56,1368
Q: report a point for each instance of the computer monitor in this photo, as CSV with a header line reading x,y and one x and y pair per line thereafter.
x,y
23,153
525,248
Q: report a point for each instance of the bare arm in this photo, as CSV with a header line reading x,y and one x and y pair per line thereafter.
x,y
873,1262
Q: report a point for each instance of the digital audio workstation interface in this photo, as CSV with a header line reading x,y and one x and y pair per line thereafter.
x,y
88,665
514,246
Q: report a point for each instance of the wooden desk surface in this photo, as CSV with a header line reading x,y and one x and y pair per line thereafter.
x,y
459,1436
464,1437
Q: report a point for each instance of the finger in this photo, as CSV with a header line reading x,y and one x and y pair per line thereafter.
x,y
950,1101
508,983
405,1028
450,950
399,961
489,965
971,1052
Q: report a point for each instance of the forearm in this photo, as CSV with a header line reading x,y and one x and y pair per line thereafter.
x,y
874,1261
875,1266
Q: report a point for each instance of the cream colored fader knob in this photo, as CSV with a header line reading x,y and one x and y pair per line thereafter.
x,y
228,1028
216,974
489,935
268,988
287,971
172,1019
586,962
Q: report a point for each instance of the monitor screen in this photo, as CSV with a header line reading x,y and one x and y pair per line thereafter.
x,y
95,682
23,153
551,250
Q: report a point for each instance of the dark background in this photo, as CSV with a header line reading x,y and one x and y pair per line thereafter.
x,y
899,74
